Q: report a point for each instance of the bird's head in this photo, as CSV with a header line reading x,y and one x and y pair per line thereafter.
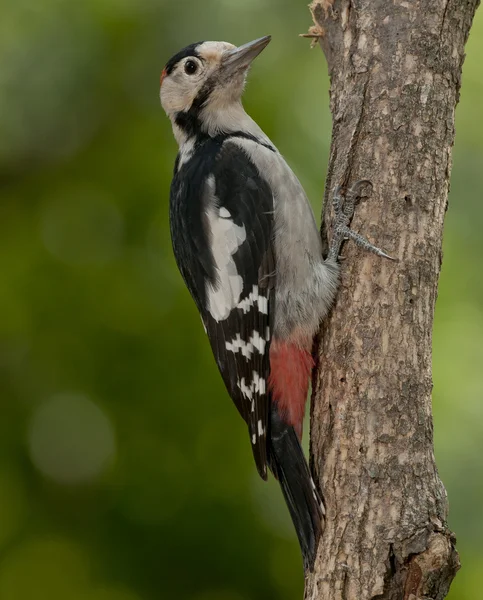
x,y
205,79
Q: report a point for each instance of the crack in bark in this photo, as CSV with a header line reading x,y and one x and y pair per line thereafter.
x,y
354,142
389,575
443,20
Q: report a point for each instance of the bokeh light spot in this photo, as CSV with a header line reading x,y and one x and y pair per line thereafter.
x,y
71,440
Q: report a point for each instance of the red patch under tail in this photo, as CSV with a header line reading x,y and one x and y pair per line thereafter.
x,y
290,370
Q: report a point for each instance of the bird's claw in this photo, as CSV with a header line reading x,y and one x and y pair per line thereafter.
x,y
344,206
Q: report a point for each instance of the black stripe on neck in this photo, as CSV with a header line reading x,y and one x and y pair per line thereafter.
x,y
189,120
249,136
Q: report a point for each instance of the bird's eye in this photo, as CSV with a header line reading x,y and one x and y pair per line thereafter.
x,y
190,67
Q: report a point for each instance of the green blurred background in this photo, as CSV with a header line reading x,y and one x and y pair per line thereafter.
x,y
125,472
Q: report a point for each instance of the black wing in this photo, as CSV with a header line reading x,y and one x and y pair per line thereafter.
x,y
222,229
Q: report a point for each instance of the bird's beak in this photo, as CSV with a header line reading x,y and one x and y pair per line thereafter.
x,y
242,57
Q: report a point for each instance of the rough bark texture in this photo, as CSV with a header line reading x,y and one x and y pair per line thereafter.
x,y
395,71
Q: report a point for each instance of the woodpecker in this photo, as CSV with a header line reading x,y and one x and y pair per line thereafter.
x,y
248,248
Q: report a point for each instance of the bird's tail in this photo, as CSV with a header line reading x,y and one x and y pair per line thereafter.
x,y
288,464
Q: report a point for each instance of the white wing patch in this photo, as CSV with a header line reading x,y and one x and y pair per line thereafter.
x,y
226,237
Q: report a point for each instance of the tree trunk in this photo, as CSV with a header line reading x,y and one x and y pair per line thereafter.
x,y
395,70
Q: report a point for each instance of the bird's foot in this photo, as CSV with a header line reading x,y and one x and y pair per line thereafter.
x,y
344,206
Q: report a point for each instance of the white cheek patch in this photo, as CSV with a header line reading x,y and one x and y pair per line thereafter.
x,y
177,93
226,237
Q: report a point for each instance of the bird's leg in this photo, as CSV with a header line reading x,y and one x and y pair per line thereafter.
x,y
344,211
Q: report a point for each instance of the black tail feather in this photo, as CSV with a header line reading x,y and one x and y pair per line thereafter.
x,y
288,464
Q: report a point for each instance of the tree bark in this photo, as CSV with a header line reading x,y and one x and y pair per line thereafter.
x,y
395,70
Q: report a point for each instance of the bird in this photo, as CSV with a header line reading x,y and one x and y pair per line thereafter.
x,y
247,245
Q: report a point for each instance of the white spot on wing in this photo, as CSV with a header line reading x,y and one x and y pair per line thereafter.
x,y
245,390
258,342
263,305
247,348
250,300
238,344
254,439
260,386
254,297
224,213
257,387
260,427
